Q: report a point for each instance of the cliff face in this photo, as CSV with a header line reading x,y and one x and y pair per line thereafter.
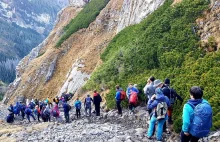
x,y
47,71
134,11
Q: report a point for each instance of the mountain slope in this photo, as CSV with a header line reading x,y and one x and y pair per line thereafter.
x,y
47,71
24,24
165,44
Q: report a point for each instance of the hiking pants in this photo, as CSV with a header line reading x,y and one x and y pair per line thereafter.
x,y
118,103
169,113
86,110
160,123
131,106
190,138
97,109
78,113
28,117
67,116
38,117
22,114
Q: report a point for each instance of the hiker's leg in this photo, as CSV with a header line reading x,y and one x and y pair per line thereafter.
x,y
118,106
38,117
28,117
185,138
164,126
194,139
151,126
32,116
169,113
68,116
86,109
160,129
98,110
79,113
90,109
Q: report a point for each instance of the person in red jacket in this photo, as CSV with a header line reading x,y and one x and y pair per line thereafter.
x,y
97,99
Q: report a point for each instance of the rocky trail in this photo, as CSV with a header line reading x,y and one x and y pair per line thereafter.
x,y
107,127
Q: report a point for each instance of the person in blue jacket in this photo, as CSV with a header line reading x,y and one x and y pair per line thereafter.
x,y
196,94
77,105
118,99
66,109
130,89
152,104
28,112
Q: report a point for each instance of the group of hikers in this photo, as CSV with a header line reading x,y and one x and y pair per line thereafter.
x,y
160,100
45,109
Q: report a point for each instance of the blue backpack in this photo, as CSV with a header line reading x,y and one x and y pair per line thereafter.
x,y
202,121
88,102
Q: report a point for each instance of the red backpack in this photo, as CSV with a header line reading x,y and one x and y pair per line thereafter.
x,y
133,97
123,95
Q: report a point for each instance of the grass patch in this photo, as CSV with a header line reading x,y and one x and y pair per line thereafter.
x,y
83,19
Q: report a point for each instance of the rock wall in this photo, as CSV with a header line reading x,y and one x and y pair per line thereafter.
x,y
134,11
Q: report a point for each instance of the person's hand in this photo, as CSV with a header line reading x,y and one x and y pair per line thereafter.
x,y
185,133
153,97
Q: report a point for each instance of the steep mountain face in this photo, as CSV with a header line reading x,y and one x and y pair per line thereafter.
x,y
48,71
24,24
135,11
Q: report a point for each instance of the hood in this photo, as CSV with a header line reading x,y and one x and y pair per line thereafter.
x,y
195,102
95,94
159,94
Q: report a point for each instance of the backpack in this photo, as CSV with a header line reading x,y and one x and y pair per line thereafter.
x,y
28,111
171,96
15,110
133,97
123,95
55,113
32,105
46,113
202,121
161,110
78,106
88,101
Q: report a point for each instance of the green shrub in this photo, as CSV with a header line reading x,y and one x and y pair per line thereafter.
x,y
83,19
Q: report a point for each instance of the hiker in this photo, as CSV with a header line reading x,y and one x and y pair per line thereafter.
x,y
118,99
32,104
77,105
11,108
36,102
45,113
197,117
37,112
172,95
149,90
56,112
130,89
28,112
66,109
10,118
23,107
97,99
133,101
88,104
159,104
16,109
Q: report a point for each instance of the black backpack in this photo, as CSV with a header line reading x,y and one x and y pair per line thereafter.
x,y
169,93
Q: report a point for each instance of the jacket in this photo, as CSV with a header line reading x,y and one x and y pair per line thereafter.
x,y
152,104
149,90
129,90
167,91
77,104
118,96
66,107
188,112
97,99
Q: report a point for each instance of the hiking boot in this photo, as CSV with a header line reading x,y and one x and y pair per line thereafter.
x,y
148,136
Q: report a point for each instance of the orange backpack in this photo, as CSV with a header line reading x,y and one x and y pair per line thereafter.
x,y
123,95
133,97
